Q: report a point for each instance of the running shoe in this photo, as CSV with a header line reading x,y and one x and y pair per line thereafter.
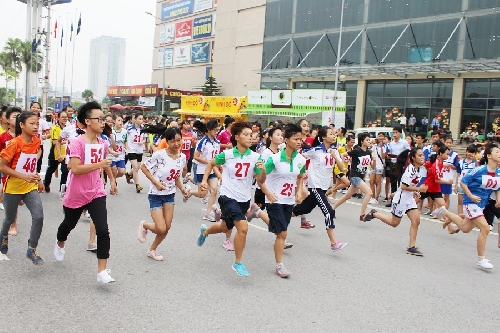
x,y
202,237
87,214
4,248
92,247
138,188
228,245
188,189
369,216
252,212
209,217
240,269
186,179
155,254
204,201
47,188
385,199
414,251
282,272
104,277
428,212
338,246
288,245
59,253
343,191
32,255
1,206
439,211
63,191
389,204
485,263
142,233
128,177
307,225
217,212
373,201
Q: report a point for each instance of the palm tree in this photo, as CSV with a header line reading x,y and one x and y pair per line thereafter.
x,y
11,48
88,95
6,65
33,63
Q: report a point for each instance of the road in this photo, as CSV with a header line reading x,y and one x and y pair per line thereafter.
x,y
370,286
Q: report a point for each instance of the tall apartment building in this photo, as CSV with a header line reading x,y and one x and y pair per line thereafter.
x,y
107,64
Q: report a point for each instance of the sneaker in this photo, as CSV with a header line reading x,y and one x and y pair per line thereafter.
x,y
47,188
485,263
1,206
202,237
4,248
282,272
87,214
128,177
288,245
63,191
373,201
204,201
338,246
188,189
307,225
439,211
142,233
92,247
59,253
388,204
32,255
428,212
228,245
217,212
104,277
209,217
186,179
252,212
343,191
240,269
369,216
385,199
155,254
414,251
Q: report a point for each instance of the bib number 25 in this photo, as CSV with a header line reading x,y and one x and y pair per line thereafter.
x,y
287,190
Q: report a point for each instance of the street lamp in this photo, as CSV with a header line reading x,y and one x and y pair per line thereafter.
x,y
163,72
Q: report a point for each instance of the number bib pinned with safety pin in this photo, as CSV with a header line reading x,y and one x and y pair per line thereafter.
x,y
26,164
490,183
94,153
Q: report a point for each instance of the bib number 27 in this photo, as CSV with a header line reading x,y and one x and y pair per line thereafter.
x,y
242,170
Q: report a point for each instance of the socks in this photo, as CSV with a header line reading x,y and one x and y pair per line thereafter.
x,y
479,258
258,212
279,265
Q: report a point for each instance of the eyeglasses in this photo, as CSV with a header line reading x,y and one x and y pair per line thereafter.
x,y
99,119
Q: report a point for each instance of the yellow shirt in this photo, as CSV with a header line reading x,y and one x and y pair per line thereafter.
x,y
346,158
55,133
2,131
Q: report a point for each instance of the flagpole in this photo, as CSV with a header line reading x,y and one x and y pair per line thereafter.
x,y
73,59
65,58
57,61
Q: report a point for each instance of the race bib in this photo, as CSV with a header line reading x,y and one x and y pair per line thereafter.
x,y
490,183
239,170
94,153
286,188
364,162
26,164
186,145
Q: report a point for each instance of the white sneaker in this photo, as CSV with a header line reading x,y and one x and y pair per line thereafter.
x,y
87,214
59,253
1,206
204,201
485,263
373,201
439,210
491,228
104,277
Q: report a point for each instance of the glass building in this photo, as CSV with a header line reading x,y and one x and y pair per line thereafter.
x,y
423,57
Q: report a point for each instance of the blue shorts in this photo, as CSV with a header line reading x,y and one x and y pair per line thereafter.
x,y
119,164
446,188
157,201
198,178
356,181
460,191
232,210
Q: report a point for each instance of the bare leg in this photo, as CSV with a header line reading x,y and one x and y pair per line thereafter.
x,y
414,216
331,236
279,245
240,239
365,188
212,184
346,196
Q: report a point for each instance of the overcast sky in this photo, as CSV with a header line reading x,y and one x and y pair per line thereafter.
x,y
116,18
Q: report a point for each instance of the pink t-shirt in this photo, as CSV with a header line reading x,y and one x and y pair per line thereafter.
x,y
224,137
82,189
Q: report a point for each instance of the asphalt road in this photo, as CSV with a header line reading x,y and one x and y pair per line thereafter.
x,y
370,286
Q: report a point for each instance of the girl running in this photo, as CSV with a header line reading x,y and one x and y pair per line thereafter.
x,y
322,157
342,178
239,165
188,139
121,139
57,156
86,189
478,184
306,144
403,201
163,170
136,149
19,162
464,166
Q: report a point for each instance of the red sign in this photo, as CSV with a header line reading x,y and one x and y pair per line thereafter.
x,y
137,91
151,90
183,30
113,91
178,93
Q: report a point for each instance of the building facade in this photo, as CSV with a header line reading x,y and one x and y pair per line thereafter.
x,y
107,64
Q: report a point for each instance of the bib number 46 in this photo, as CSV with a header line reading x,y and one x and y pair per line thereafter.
x,y
30,165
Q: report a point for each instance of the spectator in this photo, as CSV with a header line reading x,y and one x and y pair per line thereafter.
x,y
425,125
490,136
402,122
435,123
411,123
464,136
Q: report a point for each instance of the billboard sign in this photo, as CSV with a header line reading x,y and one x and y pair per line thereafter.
x,y
202,5
57,105
176,8
200,53
182,55
183,30
202,27
165,56
167,34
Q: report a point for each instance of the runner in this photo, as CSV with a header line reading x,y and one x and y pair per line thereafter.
x,y
450,167
163,170
4,126
121,139
135,150
403,201
239,165
86,189
57,156
341,179
18,161
43,131
306,144
322,157
478,184
464,166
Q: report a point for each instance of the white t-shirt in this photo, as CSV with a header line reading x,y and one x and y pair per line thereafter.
x,y
377,153
411,177
69,134
43,127
165,170
321,166
134,138
208,149
120,139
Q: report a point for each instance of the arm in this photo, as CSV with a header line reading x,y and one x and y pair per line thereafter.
x,y
77,168
468,193
6,170
114,189
261,176
153,181
197,157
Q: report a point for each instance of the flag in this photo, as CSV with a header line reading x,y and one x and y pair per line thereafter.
x,y
33,46
62,35
39,41
71,32
55,30
79,25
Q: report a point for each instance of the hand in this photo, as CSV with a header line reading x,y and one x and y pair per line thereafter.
x,y
160,186
41,187
298,198
416,195
115,153
204,186
60,159
497,205
184,192
455,190
114,189
106,162
475,198
31,178
272,197
261,166
450,182
423,188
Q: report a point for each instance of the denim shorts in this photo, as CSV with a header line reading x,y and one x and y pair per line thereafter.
x,y
356,181
199,177
118,164
157,201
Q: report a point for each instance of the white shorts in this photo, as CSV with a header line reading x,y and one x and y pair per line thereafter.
x,y
473,211
401,208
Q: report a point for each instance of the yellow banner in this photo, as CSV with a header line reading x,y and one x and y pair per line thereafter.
x,y
228,104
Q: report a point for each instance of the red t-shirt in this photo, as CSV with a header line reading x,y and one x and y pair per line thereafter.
x,y
5,137
187,144
435,172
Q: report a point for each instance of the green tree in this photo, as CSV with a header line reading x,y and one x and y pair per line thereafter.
x,y
88,95
76,104
11,49
106,100
3,96
210,88
32,63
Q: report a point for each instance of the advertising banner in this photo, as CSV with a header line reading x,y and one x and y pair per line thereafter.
x,y
214,19
183,30
165,56
259,98
212,52
147,101
176,8
167,34
281,98
229,104
150,90
112,91
66,100
200,53
137,90
208,72
57,105
201,5
182,55
202,27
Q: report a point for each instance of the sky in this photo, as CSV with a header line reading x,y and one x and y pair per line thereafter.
x,y
116,18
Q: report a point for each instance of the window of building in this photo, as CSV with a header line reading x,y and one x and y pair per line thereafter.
x,y
481,105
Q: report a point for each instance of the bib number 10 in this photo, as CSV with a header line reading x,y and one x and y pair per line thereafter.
x,y
287,190
242,170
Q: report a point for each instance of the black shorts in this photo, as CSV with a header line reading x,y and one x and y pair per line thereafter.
x,y
232,210
490,212
134,156
340,175
260,198
432,195
279,217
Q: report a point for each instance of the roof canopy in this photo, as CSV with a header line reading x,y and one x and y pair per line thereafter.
x,y
52,2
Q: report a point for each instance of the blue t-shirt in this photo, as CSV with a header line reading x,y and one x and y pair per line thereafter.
x,y
481,183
